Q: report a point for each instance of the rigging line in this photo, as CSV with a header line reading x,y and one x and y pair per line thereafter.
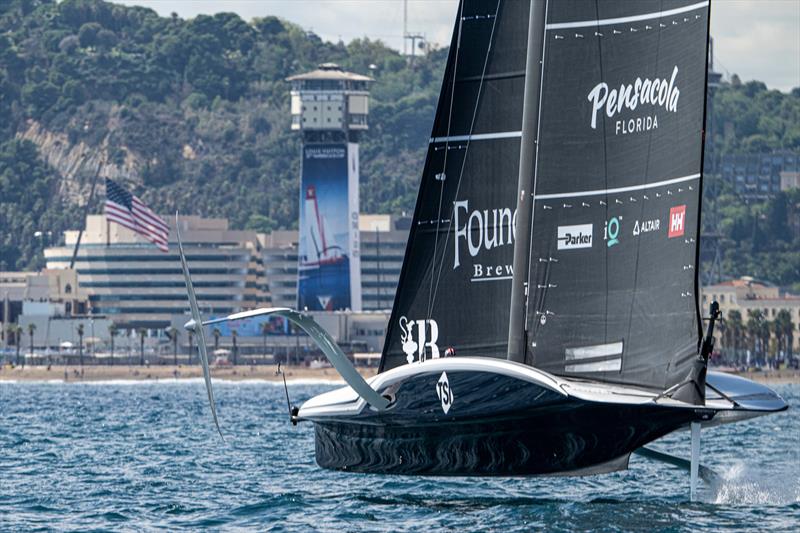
x,y
446,152
466,153
535,176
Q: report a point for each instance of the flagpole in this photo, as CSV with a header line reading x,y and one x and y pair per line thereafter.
x,y
85,215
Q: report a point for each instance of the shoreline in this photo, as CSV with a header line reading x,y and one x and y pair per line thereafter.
x,y
155,373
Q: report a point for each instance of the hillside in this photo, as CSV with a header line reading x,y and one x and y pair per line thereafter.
x,y
193,115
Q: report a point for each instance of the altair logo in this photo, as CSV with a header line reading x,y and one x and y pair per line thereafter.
x,y
573,237
655,93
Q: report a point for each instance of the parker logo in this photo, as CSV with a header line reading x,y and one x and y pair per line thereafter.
x,y
444,392
427,335
573,237
677,221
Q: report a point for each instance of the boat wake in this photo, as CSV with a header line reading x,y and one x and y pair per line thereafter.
x,y
743,484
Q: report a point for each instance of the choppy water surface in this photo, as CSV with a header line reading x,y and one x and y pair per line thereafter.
x,y
145,456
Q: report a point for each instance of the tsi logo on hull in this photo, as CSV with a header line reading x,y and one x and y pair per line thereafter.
x,y
573,237
427,335
444,392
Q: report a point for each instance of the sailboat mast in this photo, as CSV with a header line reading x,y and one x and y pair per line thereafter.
x,y
534,67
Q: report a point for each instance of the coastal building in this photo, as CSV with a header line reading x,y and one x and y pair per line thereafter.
x,y
790,180
747,294
383,244
134,284
50,293
329,107
759,176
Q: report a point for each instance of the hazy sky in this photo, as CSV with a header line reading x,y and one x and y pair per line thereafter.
x,y
757,39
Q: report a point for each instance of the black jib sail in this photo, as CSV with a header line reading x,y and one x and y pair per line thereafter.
x,y
612,281
454,289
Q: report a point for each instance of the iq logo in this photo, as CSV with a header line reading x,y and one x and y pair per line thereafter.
x,y
611,232
677,221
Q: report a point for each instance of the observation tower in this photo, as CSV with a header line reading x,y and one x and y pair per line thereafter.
x,y
329,107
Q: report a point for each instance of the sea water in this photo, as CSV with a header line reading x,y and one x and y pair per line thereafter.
x,y
145,456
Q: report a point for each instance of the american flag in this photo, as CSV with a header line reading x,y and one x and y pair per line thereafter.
x,y
127,210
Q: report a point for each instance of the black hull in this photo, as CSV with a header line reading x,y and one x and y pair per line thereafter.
x,y
495,425
582,438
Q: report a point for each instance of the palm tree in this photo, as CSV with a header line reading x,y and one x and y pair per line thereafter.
x,y
235,347
17,339
172,333
191,346
80,344
216,334
113,331
735,329
31,331
784,329
753,325
10,330
142,332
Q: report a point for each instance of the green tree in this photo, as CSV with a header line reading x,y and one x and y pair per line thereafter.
x,y
113,331
234,336
783,327
172,333
18,341
142,334
80,344
31,331
217,333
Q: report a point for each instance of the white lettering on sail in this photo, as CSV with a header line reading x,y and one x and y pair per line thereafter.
x,y
427,336
657,93
481,229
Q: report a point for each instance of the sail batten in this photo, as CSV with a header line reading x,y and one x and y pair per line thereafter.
x,y
618,190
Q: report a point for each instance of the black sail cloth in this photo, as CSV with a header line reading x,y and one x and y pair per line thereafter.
x,y
617,194
454,289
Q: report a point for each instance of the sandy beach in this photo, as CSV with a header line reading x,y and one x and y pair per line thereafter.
x,y
96,373
93,373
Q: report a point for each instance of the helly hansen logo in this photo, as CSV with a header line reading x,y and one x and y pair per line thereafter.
x,y
677,221
572,237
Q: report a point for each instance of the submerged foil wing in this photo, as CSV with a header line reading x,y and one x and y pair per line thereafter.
x,y
612,281
454,289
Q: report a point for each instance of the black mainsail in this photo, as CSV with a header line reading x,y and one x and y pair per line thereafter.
x,y
454,289
613,278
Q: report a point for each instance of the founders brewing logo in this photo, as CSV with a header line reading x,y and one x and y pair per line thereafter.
x,y
427,332
573,237
655,93
482,230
